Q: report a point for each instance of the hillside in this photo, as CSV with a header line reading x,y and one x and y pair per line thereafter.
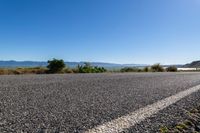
x,y
194,64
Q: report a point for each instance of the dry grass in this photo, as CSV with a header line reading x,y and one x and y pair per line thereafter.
x,y
16,71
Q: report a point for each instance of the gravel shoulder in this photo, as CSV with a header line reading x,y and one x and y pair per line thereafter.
x,y
190,125
167,120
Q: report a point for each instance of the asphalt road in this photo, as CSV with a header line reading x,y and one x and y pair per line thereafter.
x,y
78,102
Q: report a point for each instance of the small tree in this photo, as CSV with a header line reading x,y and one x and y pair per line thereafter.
x,y
172,69
146,69
55,65
157,68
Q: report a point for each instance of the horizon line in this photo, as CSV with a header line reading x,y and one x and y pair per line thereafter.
x,y
97,62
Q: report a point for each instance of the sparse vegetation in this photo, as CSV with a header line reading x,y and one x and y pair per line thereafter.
x,y
67,70
164,130
153,68
157,68
58,66
172,69
130,69
55,66
190,125
16,71
146,69
87,68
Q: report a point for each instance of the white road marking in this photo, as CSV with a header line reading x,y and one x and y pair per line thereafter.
x,y
133,118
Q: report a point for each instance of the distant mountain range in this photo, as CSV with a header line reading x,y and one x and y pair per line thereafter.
x,y
194,64
14,64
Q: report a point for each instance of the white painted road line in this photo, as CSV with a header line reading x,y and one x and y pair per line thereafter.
x,y
125,122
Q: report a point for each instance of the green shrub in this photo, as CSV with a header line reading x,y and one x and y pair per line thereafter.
x,y
157,68
171,69
87,68
55,65
146,69
130,69
98,69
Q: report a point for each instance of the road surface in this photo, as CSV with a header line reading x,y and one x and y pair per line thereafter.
x,y
84,102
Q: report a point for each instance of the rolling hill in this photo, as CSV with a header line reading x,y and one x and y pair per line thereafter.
x,y
194,64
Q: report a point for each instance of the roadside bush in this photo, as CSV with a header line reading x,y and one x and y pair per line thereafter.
x,y
172,69
130,69
87,68
146,69
157,68
55,66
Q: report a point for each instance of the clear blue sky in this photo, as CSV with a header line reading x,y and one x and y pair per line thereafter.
x,y
118,31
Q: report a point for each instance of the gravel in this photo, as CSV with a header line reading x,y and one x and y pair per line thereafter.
x,y
190,125
77,102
